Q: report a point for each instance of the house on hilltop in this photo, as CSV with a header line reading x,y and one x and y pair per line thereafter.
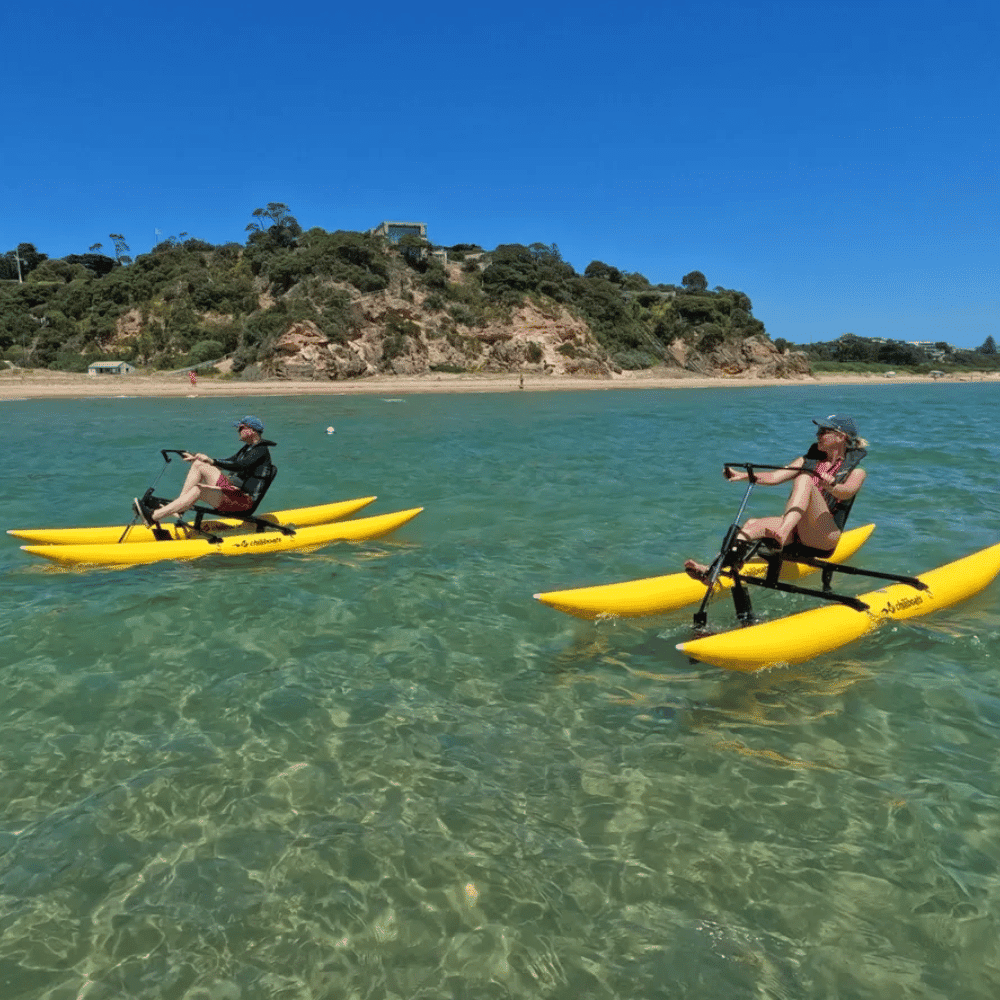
x,y
395,231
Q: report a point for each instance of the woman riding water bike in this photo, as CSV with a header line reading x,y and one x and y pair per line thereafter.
x,y
825,482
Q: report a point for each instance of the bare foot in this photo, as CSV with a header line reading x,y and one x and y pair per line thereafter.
x,y
697,571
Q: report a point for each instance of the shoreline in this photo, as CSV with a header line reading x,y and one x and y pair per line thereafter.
x,y
19,384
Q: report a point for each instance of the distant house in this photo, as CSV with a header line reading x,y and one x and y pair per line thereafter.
x,y
931,349
110,368
395,231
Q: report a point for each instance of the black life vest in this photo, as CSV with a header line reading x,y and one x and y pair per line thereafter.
x,y
251,469
840,509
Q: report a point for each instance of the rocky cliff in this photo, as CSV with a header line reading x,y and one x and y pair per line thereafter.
x,y
400,331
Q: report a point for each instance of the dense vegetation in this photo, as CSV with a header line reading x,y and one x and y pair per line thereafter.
x,y
851,353
633,320
189,301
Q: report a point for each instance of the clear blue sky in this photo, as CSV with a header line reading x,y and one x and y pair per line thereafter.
x,y
836,162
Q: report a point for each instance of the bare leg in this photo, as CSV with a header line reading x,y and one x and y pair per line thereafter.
x,y
772,527
199,483
807,514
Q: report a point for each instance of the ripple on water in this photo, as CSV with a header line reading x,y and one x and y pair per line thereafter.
x,y
383,770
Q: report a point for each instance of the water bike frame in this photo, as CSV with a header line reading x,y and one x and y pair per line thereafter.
x,y
200,512
732,557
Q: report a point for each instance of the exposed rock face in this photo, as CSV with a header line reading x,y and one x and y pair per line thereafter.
x,y
552,341
304,351
396,332
754,357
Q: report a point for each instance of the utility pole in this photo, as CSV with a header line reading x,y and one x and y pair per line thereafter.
x,y
17,257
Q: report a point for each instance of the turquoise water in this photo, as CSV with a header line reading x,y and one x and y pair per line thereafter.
x,y
382,770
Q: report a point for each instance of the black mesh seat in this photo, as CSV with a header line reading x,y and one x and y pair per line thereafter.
x,y
263,484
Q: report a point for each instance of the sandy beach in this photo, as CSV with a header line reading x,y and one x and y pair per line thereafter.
x,y
36,384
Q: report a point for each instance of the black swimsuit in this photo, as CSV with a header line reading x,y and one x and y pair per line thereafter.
x,y
840,509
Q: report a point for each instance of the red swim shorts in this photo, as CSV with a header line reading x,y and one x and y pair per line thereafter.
x,y
233,499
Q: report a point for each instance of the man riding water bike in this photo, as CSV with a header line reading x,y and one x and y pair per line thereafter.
x,y
247,469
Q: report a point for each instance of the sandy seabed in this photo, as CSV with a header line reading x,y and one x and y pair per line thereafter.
x,y
35,384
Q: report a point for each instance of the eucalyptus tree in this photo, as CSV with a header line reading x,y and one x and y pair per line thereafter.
x,y
122,252
695,281
274,227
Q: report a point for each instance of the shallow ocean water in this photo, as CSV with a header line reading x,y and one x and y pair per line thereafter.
x,y
383,770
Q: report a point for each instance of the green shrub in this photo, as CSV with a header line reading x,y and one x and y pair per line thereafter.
x,y
205,350
615,323
633,360
468,345
853,367
435,277
18,354
700,307
266,326
535,352
244,358
168,362
72,361
711,337
354,258
449,369
58,271
466,315
393,346
227,334
517,270
398,324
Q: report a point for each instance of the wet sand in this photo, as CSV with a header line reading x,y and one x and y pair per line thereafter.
x,y
36,384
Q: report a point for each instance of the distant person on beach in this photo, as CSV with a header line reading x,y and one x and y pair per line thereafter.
x,y
825,482
248,469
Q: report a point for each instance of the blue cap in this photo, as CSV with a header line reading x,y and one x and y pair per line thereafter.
x,y
252,422
843,424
